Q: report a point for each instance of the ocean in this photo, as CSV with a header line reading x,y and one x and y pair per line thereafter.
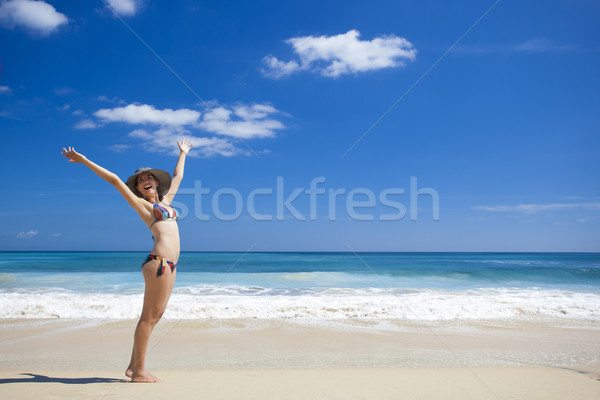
x,y
414,287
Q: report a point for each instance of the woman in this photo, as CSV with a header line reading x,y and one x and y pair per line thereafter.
x,y
150,193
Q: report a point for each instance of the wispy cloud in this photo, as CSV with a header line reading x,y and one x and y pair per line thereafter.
x,y
157,129
119,148
35,16
125,8
63,91
87,124
535,208
6,114
66,106
27,235
333,56
5,90
114,100
537,45
541,45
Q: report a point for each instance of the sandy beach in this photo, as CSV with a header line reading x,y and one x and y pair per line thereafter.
x,y
259,359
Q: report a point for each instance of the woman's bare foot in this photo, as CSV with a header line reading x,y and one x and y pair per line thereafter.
x,y
144,376
129,372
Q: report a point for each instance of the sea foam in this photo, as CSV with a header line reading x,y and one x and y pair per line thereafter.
x,y
254,302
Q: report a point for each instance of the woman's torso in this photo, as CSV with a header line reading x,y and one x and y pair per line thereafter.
x,y
166,232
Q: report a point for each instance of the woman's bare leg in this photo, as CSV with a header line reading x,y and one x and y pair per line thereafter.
x,y
156,296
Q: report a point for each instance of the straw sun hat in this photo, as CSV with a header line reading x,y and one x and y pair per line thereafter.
x,y
163,177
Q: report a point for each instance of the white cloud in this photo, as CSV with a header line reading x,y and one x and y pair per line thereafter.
x,y
158,129
5,90
126,8
86,124
242,121
254,112
146,114
534,208
213,146
345,53
163,140
140,134
279,69
36,16
27,235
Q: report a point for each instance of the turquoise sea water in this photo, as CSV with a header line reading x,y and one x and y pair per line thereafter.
x,y
409,286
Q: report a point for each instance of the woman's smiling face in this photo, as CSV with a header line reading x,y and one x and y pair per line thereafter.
x,y
146,184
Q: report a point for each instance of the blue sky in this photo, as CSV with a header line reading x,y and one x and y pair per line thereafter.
x,y
495,120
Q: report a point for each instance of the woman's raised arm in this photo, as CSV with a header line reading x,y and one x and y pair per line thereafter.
x,y
105,174
184,148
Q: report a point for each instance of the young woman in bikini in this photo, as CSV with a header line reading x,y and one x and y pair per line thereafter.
x,y
149,192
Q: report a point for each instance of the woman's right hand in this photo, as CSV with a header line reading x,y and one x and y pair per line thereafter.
x,y
72,155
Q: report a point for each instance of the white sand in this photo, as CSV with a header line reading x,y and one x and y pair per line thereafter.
x,y
242,359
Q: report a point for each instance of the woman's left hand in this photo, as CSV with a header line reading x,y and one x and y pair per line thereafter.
x,y
185,145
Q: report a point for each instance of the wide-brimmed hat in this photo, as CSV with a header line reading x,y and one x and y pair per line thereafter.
x,y
164,180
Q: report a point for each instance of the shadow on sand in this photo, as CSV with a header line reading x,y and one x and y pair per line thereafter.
x,y
34,378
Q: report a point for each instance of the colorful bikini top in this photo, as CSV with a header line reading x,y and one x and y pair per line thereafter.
x,y
163,213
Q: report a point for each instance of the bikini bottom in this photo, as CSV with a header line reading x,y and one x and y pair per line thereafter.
x,y
163,263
